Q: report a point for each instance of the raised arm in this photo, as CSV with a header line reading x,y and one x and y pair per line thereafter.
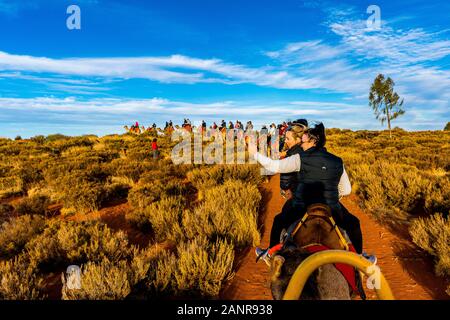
x,y
286,165
344,187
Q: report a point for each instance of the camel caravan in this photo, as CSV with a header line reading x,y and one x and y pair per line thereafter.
x,y
136,129
316,246
234,130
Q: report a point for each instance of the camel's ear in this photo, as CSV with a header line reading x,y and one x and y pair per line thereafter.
x,y
277,263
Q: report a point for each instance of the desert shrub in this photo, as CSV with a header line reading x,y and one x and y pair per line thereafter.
x,y
17,232
164,216
84,196
228,211
129,169
68,242
10,186
18,280
142,195
29,174
113,279
161,278
100,281
203,266
437,196
116,191
61,143
37,204
6,211
208,177
391,191
39,139
199,268
433,235
55,137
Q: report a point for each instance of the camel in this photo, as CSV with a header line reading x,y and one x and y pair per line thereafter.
x,y
160,132
133,129
327,282
168,130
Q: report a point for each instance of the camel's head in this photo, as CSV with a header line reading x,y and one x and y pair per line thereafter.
x,y
325,283
283,266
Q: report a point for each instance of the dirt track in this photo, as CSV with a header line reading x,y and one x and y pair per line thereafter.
x,y
407,270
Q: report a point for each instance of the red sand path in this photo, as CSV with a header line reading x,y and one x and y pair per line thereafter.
x,y
408,271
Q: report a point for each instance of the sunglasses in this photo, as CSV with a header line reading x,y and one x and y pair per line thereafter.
x,y
291,126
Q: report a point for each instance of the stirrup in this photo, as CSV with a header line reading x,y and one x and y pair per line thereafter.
x,y
263,254
372,258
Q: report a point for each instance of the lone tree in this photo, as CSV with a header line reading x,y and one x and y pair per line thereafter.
x,y
447,127
384,101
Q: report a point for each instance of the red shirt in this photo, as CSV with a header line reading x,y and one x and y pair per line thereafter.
x,y
154,146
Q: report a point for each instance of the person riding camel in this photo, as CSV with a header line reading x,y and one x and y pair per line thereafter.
x,y
320,178
249,126
292,137
203,127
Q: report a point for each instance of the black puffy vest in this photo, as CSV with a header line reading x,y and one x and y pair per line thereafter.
x,y
289,180
318,179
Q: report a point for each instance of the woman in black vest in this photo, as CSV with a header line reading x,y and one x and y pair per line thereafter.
x,y
321,177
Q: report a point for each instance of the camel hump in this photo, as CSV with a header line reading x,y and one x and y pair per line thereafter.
x,y
319,209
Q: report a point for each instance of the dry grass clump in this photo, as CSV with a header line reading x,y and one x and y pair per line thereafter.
x,y
10,186
163,216
228,211
437,197
37,204
17,232
198,268
68,242
108,280
6,211
144,194
391,191
433,235
204,178
18,280
129,169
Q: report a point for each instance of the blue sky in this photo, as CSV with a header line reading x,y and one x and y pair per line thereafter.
x,y
266,61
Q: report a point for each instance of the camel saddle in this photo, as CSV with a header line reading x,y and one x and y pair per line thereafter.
x,y
323,234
